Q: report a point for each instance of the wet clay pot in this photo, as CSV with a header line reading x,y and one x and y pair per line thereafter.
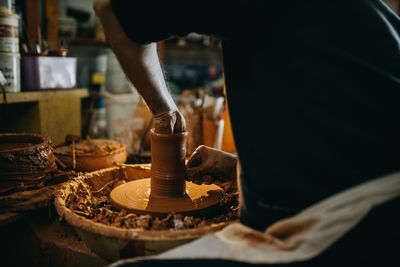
x,y
167,172
166,191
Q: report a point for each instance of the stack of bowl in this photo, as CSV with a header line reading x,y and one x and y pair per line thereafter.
x,y
26,161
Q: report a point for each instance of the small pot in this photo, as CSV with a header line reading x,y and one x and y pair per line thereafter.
x,y
92,161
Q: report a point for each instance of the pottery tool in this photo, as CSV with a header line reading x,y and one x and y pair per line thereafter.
x,y
166,190
60,164
73,156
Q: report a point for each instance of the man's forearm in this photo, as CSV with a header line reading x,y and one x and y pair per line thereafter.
x,y
140,62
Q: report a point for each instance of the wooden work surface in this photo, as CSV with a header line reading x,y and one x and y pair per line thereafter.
x,y
34,96
54,113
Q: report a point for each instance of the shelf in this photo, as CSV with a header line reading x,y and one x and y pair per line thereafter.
x,y
34,96
168,46
88,41
55,113
191,47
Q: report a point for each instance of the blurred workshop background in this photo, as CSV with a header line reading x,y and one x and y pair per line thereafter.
x,y
61,70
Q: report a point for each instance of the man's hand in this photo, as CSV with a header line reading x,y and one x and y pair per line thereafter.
x,y
141,64
169,122
209,165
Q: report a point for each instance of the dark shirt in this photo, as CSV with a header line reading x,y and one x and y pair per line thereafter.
x,y
313,88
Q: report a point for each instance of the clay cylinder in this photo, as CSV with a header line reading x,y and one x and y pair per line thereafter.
x,y
167,171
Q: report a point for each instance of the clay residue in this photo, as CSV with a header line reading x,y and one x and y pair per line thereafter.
x,y
89,146
96,206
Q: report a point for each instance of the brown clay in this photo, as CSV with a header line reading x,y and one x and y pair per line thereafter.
x,y
166,191
167,172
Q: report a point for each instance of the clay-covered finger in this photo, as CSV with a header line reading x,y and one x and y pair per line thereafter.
x,y
163,127
164,123
198,156
194,160
202,149
194,173
180,123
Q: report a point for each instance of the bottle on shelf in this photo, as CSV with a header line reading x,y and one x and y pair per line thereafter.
x,y
98,123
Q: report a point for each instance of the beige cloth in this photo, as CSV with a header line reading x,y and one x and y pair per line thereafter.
x,y
297,238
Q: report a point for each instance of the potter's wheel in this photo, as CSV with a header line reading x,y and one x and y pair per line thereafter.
x,y
135,197
166,191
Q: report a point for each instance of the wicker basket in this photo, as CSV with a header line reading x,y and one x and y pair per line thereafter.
x,y
113,243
